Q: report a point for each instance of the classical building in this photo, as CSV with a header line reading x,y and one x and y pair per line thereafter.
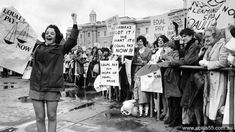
x,y
95,33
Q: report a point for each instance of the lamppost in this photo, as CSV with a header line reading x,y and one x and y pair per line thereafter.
x,y
124,7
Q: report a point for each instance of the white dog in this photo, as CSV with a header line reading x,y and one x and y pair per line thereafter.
x,y
129,108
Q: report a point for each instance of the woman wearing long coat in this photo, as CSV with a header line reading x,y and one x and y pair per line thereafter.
x,y
189,56
214,58
171,86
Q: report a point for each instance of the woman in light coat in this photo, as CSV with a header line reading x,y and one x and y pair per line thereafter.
x,y
215,57
230,37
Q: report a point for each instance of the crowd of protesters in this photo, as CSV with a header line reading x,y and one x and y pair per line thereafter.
x,y
190,96
74,62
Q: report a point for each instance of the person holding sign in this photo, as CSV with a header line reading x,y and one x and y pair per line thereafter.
x,y
46,80
143,56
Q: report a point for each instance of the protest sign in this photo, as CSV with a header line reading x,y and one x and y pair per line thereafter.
x,y
97,85
159,25
111,23
109,73
230,45
146,69
226,14
179,18
152,82
202,14
163,24
124,40
17,39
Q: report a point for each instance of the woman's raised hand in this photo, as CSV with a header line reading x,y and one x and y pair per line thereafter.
x,y
74,17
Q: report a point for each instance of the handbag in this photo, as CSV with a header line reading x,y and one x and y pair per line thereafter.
x,y
28,69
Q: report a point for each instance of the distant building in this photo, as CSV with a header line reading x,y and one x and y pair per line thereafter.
x,y
95,33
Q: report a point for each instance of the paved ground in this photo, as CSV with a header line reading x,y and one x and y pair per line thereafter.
x,y
74,114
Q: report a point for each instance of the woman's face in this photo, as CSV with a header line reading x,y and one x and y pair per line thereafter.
x,y
209,39
100,52
50,36
186,38
140,43
94,50
160,42
88,52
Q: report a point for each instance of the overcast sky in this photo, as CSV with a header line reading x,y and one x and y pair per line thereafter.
x,y
40,13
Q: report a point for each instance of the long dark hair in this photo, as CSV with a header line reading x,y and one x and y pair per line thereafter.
x,y
92,51
164,39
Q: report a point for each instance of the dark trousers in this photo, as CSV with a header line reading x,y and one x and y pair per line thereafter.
x,y
175,110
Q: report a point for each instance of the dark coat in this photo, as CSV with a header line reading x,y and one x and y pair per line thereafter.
x,y
171,77
171,83
190,57
47,72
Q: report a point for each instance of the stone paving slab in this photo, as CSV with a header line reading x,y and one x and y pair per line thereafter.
x,y
15,113
95,118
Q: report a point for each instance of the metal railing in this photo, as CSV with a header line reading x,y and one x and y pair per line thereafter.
x,y
230,71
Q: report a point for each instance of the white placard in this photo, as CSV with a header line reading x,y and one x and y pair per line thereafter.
x,y
230,45
226,14
202,14
17,39
109,73
97,85
159,25
124,40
